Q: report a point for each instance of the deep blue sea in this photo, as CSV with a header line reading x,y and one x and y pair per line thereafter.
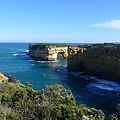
x,y
88,90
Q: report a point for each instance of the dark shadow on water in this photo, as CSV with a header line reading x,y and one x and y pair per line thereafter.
x,y
91,96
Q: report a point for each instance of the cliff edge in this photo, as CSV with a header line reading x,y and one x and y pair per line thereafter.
x,y
102,60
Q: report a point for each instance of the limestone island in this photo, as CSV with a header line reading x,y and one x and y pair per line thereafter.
x,y
47,52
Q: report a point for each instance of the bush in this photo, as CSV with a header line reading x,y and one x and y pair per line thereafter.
x,y
118,110
52,103
5,98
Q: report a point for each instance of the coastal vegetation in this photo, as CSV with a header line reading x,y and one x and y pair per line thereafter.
x,y
109,49
22,102
41,46
105,45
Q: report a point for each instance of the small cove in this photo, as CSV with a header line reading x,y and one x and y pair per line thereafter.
x,y
88,90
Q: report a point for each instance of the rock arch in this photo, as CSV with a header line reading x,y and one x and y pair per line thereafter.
x,y
48,52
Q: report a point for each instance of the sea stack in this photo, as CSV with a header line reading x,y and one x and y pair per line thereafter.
x,y
47,52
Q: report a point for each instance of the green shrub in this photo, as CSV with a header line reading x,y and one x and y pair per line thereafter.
x,y
52,103
118,110
5,98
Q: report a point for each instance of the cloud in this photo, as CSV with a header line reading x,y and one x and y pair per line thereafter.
x,y
109,24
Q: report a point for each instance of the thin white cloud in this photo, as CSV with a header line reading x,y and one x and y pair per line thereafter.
x,y
109,24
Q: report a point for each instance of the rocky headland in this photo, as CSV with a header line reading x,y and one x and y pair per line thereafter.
x,y
102,60
47,52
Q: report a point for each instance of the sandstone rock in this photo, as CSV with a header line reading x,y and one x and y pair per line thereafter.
x,y
3,78
47,52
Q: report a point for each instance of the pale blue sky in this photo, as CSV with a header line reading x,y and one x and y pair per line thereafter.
x,y
76,21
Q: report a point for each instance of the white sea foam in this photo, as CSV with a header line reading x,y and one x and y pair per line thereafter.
x,y
21,50
15,54
98,83
26,50
48,61
31,60
41,61
104,84
32,64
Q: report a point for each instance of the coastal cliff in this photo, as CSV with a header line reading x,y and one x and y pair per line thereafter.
x,y
102,60
47,52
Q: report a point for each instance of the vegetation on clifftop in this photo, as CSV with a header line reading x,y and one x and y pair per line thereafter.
x,y
107,49
100,45
41,46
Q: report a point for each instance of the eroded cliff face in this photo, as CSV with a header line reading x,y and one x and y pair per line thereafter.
x,y
46,52
98,59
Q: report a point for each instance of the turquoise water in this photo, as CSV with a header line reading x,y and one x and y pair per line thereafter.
x,y
88,90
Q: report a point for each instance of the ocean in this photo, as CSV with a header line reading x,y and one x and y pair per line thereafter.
x,y
88,90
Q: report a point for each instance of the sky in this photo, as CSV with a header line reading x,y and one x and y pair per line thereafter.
x,y
60,21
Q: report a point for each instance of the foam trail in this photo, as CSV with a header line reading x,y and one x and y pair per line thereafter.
x,y
15,54
47,61
31,60
98,83
26,50
23,50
